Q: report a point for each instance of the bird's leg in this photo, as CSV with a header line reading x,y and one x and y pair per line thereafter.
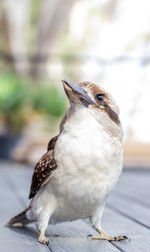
x,y
104,236
96,222
42,238
44,218
43,207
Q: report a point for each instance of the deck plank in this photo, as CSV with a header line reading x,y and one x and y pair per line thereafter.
x,y
73,244
8,199
135,186
123,215
130,209
14,239
116,224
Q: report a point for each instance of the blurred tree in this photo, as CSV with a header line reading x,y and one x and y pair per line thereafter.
x,y
16,14
51,19
4,40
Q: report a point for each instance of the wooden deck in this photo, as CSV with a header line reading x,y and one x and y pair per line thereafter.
x,y
127,212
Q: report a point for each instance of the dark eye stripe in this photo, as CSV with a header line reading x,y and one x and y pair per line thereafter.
x,y
113,115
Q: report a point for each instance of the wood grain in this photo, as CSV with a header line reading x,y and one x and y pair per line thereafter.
x,y
127,213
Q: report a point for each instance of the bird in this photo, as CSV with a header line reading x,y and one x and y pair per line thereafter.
x,y
82,165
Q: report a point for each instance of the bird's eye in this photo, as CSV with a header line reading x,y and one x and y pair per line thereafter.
x,y
100,97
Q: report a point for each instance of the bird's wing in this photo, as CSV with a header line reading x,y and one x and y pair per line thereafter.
x,y
44,168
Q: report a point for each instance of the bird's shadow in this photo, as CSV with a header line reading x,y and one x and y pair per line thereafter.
x,y
29,231
68,229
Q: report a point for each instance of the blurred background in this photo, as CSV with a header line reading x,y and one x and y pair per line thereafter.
x,y
44,41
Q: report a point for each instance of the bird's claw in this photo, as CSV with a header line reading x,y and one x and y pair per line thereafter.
x,y
121,238
109,238
43,240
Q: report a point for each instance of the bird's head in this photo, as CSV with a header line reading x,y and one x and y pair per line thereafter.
x,y
98,101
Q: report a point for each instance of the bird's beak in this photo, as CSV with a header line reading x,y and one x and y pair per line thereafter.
x,y
80,91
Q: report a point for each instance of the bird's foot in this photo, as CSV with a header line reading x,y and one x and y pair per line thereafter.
x,y
43,239
104,236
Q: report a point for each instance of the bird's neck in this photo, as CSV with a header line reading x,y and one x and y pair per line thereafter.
x,y
79,116
115,130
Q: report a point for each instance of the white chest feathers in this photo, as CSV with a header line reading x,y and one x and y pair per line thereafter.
x,y
89,160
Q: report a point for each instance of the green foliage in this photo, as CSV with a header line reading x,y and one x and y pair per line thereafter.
x,y
48,99
20,99
12,100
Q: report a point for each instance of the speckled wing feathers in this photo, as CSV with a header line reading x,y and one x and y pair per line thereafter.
x,y
44,168
46,164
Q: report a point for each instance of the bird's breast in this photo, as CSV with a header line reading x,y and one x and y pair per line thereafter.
x,y
89,163
86,147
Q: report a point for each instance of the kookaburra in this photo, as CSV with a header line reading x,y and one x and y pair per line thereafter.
x,y
82,164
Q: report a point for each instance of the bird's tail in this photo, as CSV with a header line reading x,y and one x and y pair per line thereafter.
x,y
19,218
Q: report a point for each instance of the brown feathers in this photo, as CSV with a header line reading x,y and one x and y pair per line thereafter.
x,y
46,164
44,168
19,218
